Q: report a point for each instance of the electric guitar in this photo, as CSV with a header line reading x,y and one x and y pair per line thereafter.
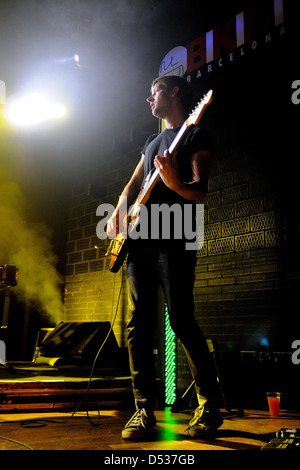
x,y
118,247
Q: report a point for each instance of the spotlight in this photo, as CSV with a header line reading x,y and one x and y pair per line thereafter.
x,y
76,58
32,109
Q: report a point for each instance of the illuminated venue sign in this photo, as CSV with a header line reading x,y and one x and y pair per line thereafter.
x,y
175,62
241,33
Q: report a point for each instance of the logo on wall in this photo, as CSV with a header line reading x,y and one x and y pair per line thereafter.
x,y
174,63
222,45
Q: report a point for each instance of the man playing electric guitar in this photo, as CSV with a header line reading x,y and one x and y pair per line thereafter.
x,y
183,176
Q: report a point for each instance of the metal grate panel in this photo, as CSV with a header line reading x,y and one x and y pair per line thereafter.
x,y
249,241
272,237
96,266
250,206
89,255
83,244
69,270
81,268
203,251
236,226
235,194
212,199
75,257
221,213
264,221
221,245
212,231
220,182
75,234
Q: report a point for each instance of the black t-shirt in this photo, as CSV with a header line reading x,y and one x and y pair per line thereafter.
x,y
194,140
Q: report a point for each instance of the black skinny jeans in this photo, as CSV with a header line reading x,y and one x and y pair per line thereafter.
x,y
174,270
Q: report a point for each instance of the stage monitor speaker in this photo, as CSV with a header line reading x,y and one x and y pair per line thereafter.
x,y
78,344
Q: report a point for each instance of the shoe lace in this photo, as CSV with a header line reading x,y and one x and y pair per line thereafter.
x,y
138,419
197,416
203,418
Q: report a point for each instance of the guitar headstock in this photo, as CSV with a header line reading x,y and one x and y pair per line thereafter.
x,y
197,112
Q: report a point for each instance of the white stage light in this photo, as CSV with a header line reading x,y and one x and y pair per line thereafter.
x,y
32,109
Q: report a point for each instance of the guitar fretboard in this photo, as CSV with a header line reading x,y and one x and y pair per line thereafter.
x,y
143,196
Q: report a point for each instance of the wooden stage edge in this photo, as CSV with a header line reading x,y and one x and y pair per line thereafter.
x,y
42,410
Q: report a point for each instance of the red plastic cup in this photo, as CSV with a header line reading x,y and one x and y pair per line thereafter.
x,y
274,403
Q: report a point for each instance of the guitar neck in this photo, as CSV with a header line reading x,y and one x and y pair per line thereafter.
x,y
145,192
179,136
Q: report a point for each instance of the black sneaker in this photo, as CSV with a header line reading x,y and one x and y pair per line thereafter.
x,y
205,422
141,426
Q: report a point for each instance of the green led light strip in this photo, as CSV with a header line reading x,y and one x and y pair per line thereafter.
x,y
170,361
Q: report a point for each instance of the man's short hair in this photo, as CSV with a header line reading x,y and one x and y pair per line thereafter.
x,y
185,93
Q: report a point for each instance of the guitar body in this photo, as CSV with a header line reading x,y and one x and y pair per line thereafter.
x,y
118,247
117,250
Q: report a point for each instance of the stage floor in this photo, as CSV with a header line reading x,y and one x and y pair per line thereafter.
x,y
39,411
64,431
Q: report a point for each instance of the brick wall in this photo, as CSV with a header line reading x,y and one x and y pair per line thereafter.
x,y
92,292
